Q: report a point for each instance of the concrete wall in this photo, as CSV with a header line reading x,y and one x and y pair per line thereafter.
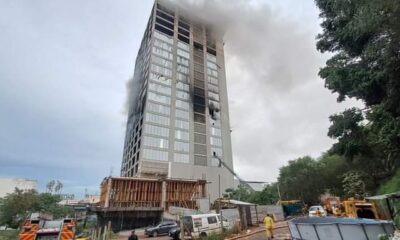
x,y
8,185
276,210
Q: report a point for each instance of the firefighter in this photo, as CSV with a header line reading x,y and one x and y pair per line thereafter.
x,y
318,213
269,225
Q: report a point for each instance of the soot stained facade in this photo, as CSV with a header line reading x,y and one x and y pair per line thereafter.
x,y
178,117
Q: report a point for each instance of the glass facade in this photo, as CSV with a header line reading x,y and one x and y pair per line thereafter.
x,y
177,116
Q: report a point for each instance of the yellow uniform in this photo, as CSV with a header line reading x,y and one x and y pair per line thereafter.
x,y
269,225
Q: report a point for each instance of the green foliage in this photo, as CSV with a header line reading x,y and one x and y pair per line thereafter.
x,y
392,185
364,36
15,207
353,185
269,195
9,234
301,179
333,167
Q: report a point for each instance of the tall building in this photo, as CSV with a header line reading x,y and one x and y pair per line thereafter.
x,y
178,116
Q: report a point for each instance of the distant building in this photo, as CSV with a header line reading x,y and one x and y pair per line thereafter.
x,y
178,117
8,185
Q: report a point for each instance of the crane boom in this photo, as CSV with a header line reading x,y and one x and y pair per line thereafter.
x,y
241,181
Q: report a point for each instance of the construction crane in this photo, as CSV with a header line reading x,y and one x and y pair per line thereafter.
x,y
241,181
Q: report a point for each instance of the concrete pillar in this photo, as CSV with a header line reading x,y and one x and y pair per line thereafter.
x,y
107,201
163,194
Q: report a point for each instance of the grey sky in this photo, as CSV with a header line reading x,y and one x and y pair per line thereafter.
x,y
64,67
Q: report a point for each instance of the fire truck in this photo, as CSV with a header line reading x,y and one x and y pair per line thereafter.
x,y
42,227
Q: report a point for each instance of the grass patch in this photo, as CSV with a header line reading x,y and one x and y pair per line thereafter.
x,y
9,234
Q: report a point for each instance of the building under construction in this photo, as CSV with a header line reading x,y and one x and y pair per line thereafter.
x,y
137,202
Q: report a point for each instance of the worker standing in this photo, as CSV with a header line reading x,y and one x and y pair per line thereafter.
x,y
133,236
269,225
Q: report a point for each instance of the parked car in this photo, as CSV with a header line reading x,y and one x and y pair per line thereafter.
x,y
313,211
174,233
202,225
161,229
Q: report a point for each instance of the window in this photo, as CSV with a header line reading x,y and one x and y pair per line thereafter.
x,y
182,135
184,46
155,142
183,77
211,58
160,78
182,114
182,104
163,45
212,220
183,69
157,108
213,96
161,61
156,130
181,124
159,98
181,146
212,80
215,131
182,95
163,37
161,70
212,72
153,118
213,88
182,158
160,88
215,141
183,86
212,65
162,53
183,61
155,155
217,151
183,53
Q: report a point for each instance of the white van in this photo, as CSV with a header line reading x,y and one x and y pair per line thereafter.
x,y
202,225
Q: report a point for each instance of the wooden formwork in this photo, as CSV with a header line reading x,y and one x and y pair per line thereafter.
x,y
123,193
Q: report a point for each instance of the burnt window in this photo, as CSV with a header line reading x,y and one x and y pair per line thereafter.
x,y
199,108
183,32
211,51
165,16
199,100
198,91
164,30
165,23
198,46
183,39
199,118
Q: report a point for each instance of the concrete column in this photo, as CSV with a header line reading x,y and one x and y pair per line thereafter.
x,y
163,194
107,201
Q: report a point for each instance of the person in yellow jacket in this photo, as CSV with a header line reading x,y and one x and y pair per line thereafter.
x,y
269,225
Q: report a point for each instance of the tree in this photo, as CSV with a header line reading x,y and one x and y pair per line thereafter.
x,y
333,167
302,180
15,207
353,185
364,36
50,186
